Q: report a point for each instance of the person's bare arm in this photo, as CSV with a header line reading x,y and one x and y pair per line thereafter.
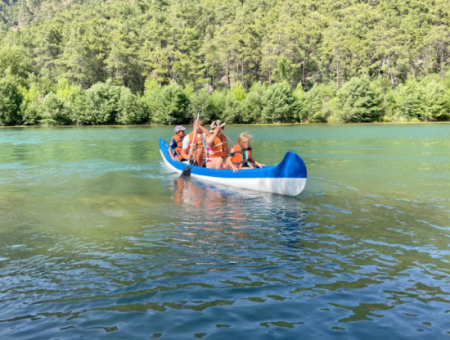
x,y
184,149
203,129
171,154
255,162
184,154
233,167
228,150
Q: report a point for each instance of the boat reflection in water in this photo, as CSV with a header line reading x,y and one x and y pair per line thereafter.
x,y
224,211
208,204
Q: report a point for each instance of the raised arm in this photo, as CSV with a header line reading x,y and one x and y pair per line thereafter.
x,y
203,129
211,137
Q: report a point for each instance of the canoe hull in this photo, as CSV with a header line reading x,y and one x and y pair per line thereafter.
x,y
270,179
283,186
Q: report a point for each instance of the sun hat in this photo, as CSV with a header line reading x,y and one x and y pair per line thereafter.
x,y
179,128
217,123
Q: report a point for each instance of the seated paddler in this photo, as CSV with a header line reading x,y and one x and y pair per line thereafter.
x,y
176,144
241,155
193,145
216,146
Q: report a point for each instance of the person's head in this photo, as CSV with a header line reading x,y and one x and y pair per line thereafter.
x,y
244,140
194,120
179,130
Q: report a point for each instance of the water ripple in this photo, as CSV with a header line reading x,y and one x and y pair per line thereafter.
x,y
101,241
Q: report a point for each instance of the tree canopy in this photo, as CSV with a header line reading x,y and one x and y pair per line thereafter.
x,y
212,54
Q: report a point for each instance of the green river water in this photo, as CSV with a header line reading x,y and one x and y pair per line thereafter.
x,y
99,241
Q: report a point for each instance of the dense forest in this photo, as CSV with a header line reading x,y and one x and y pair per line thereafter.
x,y
242,61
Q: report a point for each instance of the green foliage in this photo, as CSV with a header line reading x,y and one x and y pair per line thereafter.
x,y
169,105
284,70
358,102
238,91
130,109
408,102
202,101
279,105
180,56
64,89
14,63
10,101
52,111
220,43
78,109
252,104
102,102
29,107
436,99
228,107
310,104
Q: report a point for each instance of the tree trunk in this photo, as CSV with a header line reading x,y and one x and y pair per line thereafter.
x,y
303,78
228,71
270,75
242,71
413,72
392,79
337,76
337,71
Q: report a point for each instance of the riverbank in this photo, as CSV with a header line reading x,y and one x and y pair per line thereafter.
x,y
228,125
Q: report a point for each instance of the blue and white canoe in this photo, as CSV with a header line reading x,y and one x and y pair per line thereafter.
x,y
286,178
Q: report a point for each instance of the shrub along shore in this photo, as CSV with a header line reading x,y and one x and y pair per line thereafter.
x,y
358,100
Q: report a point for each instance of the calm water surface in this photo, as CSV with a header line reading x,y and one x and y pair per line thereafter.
x,y
99,241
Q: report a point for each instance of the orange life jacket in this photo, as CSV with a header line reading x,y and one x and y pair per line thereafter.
x,y
219,149
198,142
240,156
179,146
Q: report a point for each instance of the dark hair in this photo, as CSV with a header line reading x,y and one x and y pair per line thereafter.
x,y
192,121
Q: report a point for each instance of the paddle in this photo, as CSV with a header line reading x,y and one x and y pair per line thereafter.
x,y
228,138
187,170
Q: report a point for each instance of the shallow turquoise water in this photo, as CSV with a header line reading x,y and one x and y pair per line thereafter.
x,y
98,240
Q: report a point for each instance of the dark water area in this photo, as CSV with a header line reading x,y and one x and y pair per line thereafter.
x,y
99,241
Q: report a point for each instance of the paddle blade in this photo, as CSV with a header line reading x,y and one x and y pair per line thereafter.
x,y
186,172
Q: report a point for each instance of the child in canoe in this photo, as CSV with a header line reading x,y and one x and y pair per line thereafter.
x,y
176,143
216,146
241,155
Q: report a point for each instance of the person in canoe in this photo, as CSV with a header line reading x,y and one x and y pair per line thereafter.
x,y
176,145
241,155
216,146
197,153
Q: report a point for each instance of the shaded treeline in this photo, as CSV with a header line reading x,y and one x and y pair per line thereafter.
x,y
125,62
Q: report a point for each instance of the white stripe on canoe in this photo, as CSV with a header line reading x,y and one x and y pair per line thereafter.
x,y
283,186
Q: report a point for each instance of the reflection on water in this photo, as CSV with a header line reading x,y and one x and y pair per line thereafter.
x,y
98,240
